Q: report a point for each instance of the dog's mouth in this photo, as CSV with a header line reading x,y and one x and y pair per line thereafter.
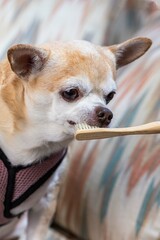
x,y
72,123
94,124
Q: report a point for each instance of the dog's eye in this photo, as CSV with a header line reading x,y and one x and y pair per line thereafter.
x,y
70,95
110,96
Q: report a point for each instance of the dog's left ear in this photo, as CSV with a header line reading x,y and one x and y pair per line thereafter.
x,y
130,50
27,60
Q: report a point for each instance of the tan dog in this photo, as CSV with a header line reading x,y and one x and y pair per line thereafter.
x,y
44,92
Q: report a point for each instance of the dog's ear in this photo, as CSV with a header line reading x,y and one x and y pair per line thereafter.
x,y
130,50
26,60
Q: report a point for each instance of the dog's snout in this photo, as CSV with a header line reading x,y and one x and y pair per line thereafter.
x,y
104,116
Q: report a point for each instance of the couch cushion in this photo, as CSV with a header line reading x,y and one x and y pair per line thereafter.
x,y
112,187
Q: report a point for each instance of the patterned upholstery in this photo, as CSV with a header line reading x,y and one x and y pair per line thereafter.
x,y
36,22
112,187
111,190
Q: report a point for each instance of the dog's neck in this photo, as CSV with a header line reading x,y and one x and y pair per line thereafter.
x,y
22,142
26,154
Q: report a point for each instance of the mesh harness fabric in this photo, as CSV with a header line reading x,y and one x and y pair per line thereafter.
x,y
18,183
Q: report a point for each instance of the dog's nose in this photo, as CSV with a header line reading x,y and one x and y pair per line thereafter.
x,y
104,116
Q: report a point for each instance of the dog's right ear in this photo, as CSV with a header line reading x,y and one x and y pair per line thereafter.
x,y
27,60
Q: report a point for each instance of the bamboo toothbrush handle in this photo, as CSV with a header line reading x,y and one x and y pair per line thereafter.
x,y
99,133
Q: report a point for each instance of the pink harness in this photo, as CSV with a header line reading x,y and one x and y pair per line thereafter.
x,y
18,183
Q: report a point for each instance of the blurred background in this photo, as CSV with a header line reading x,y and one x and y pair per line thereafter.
x,y
99,21
126,214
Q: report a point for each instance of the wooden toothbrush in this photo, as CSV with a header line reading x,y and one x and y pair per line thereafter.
x,y
86,132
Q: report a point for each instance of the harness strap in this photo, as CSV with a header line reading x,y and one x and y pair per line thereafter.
x,y
20,176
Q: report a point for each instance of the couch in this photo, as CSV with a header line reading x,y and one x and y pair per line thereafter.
x,y
111,189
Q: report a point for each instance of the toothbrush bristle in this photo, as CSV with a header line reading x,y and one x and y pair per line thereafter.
x,y
83,126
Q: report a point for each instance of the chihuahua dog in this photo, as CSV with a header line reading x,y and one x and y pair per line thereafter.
x,y
44,92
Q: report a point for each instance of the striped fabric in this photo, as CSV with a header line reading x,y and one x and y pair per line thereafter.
x,y
112,187
24,21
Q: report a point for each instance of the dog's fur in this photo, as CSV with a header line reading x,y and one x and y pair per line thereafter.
x,y
37,114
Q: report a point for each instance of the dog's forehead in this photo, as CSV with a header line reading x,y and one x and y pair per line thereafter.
x,y
81,58
81,45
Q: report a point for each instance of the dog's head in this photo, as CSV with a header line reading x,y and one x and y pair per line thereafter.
x,y
69,83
